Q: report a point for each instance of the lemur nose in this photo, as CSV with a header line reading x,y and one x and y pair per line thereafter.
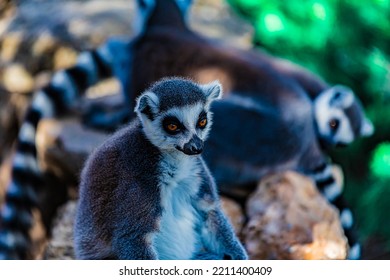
x,y
194,146
196,150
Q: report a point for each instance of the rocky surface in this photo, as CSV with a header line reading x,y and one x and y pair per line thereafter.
x,y
60,246
289,219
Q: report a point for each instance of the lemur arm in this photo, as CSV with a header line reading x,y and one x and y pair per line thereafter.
x,y
217,233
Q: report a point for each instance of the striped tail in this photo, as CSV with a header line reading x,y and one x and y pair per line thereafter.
x,y
328,186
27,180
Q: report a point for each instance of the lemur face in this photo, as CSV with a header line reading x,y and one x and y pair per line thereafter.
x,y
340,117
175,114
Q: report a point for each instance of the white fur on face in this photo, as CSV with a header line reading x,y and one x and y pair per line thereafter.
x,y
324,112
187,115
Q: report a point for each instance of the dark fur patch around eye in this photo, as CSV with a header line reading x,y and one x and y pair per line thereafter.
x,y
202,115
334,125
172,120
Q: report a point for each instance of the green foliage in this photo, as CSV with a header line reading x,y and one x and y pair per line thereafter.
x,y
380,164
375,204
347,42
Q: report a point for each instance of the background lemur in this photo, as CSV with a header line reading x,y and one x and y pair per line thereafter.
x,y
146,193
270,106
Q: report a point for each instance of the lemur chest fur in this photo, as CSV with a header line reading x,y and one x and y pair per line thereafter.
x,y
179,184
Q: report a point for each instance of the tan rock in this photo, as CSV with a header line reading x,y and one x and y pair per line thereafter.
x,y
290,219
60,247
10,45
17,79
44,44
64,57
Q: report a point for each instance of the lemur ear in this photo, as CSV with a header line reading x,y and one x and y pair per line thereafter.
x,y
184,6
212,90
341,96
147,104
367,128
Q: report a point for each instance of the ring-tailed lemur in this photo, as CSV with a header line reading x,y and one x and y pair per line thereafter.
x,y
275,115
146,193
253,80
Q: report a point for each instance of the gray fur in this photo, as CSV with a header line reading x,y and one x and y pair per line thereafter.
x,y
143,198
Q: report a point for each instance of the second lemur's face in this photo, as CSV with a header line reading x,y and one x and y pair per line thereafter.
x,y
175,114
340,117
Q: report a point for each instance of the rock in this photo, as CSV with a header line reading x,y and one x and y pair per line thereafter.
x,y
6,6
10,45
64,57
17,79
5,174
217,20
10,107
234,212
290,219
60,247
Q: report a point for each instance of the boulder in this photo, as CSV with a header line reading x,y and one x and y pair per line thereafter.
x,y
289,219
61,246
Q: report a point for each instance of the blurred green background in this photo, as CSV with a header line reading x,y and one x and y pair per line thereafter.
x,y
347,42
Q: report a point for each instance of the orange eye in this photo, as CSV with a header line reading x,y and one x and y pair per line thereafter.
x,y
202,123
172,127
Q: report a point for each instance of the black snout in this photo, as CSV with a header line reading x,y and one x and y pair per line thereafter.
x,y
193,147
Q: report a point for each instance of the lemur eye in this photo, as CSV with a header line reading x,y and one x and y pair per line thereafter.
x,y
172,127
334,124
202,123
